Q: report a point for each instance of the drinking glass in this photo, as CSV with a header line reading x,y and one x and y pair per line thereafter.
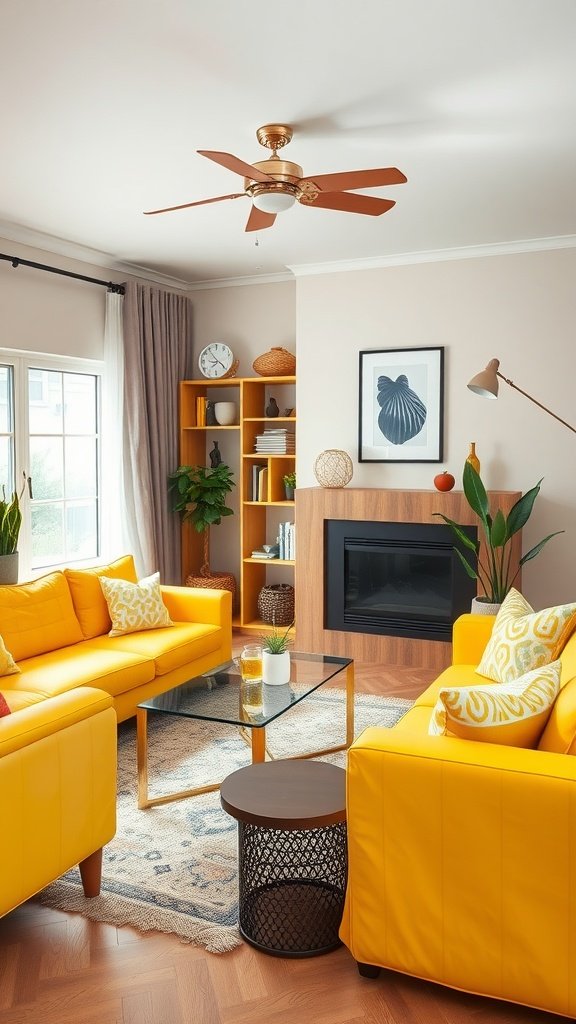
x,y
251,685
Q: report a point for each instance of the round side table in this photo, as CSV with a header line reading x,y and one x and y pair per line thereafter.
x,y
292,854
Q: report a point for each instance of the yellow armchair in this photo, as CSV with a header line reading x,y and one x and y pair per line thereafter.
x,y
462,867
57,792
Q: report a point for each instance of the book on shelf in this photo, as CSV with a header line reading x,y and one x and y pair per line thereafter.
x,y
263,484
200,411
264,554
287,541
276,442
256,470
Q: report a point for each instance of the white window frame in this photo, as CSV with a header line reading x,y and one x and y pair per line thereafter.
x,y
21,361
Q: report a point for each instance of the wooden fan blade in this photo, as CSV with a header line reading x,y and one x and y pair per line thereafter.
x,y
349,202
345,180
201,202
258,220
233,163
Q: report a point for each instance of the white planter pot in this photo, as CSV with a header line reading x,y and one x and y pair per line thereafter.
x,y
225,413
276,668
484,607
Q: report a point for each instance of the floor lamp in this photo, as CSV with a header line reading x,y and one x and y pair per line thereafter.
x,y
485,384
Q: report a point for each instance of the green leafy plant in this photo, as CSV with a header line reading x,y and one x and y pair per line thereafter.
x,y
497,573
200,496
275,642
10,521
290,479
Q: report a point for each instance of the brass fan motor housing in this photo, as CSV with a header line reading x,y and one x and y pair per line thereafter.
x,y
274,136
280,170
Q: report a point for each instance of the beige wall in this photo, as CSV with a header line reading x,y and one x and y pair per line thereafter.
x,y
519,308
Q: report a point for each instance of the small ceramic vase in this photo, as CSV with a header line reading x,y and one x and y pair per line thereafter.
x,y
225,413
272,408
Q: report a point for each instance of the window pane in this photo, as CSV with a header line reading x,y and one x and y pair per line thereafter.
x,y
79,403
47,468
6,476
5,400
47,535
81,530
45,401
80,467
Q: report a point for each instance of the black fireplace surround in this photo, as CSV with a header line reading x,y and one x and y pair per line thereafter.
x,y
394,579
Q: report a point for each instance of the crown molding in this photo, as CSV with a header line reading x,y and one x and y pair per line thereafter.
x,y
237,282
84,254
467,252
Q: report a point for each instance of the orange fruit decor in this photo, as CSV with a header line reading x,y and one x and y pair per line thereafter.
x,y
444,481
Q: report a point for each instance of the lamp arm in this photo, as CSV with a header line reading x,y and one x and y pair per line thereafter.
x,y
536,402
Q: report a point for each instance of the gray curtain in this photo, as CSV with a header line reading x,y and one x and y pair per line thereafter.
x,y
157,356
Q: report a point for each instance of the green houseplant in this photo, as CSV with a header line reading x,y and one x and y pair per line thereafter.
x,y
497,573
289,485
10,523
200,497
276,657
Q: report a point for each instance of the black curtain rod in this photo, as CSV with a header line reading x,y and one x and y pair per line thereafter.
x,y
16,261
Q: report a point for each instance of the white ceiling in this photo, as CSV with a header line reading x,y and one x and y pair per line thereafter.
x,y
104,104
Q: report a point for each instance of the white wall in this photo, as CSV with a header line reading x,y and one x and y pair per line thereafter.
x,y
519,308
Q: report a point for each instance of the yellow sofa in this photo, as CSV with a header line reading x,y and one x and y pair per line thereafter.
x,y
58,746
462,854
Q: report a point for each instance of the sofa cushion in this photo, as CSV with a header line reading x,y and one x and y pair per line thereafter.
x,y
513,713
39,616
523,639
135,606
454,675
87,597
8,666
114,671
167,649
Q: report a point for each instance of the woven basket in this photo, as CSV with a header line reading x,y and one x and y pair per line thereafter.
x,y
276,604
278,362
214,581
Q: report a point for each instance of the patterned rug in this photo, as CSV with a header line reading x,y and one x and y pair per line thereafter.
x,y
173,868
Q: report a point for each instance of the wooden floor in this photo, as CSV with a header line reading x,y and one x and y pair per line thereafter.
x,y
58,968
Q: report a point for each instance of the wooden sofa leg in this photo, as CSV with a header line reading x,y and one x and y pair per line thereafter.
x,y
91,873
368,970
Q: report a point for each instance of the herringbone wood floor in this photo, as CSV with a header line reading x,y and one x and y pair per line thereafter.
x,y
58,968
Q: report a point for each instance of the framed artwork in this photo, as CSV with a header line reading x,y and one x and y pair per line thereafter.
x,y
401,405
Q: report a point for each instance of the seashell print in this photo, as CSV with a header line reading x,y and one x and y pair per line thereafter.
x,y
402,414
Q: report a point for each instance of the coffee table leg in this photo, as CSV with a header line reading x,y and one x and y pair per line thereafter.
x,y
142,756
349,704
258,745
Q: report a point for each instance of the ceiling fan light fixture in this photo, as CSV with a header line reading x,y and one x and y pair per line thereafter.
x,y
273,202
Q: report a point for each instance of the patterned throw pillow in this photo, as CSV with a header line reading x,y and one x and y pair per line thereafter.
x,y
4,709
8,666
513,713
523,639
135,606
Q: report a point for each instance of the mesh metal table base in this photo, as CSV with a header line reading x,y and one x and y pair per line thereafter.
x,y
292,885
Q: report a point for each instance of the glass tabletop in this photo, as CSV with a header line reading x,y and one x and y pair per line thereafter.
x,y
215,696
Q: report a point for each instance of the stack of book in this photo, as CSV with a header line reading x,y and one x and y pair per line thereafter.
x,y
200,411
278,441
260,553
287,541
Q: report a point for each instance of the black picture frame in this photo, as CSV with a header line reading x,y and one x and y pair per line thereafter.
x,y
401,405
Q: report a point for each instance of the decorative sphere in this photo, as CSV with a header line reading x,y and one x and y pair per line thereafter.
x,y
333,468
444,481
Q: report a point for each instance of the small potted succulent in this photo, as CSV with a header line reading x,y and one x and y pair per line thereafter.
x,y
276,657
289,485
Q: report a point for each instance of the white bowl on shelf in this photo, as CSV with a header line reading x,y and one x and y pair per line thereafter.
x,y
225,413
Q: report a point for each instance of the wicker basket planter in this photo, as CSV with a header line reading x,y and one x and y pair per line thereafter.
x,y
276,604
214,581
278,362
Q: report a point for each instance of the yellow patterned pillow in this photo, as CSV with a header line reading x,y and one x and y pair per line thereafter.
x,y
523,639
8,666
513,713
134,606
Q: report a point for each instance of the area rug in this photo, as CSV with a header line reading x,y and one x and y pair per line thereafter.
x,y
173,868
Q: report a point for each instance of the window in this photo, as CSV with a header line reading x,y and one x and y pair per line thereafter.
x,y
49,432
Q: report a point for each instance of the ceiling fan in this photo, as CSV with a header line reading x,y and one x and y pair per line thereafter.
x,y
275,184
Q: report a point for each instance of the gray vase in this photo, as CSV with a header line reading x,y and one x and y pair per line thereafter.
x,y
9,568
484,607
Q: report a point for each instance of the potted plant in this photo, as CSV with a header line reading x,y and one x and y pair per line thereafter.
x,y
496,574
276,657
289,485
10,523
200,497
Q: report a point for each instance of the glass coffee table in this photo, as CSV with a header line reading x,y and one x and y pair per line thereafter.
x,y
215,697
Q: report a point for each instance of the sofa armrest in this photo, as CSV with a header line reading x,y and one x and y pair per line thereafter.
x,y
461,864
470,634
28,725
193,604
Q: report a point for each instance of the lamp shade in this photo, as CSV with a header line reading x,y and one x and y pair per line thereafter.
x,y
485,383
273,202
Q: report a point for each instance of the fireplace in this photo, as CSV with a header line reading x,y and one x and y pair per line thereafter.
x,y
394,579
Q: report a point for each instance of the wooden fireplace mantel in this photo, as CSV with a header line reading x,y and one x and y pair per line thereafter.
x,y
314,505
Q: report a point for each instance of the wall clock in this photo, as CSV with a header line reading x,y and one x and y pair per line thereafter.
x,y
217,360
